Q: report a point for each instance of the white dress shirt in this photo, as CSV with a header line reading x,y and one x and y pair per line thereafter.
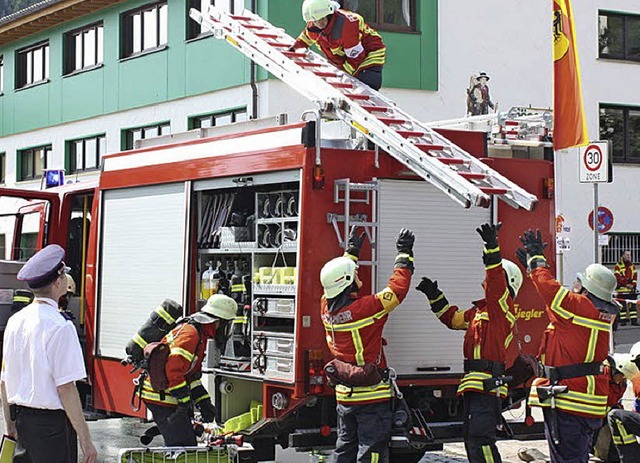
x,y
41,352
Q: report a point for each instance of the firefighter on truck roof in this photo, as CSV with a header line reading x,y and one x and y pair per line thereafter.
x,y
353,326
345,39
488,335
172,407
575,389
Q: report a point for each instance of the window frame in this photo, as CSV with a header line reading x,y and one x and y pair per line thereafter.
x,y
71,154
22,55
625,35
391,27
3,167
127,30
47,151
69,47
127,134
1,75
611,252
625,123
233,112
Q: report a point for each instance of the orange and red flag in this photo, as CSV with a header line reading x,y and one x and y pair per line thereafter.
x,y
569,123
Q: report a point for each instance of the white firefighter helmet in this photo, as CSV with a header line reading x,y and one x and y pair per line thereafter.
x,y
314,10
71,285
599,281
624,364
635,351
337,275
218,306
514,275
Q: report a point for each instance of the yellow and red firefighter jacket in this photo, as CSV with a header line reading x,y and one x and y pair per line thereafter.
x,y
183,368
354,332
626,274
576,337
488,326
347,41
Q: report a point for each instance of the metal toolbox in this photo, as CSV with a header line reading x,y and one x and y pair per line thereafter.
x,y
282,345
272,367
272,307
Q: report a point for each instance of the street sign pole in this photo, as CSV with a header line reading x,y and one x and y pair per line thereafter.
x,y
596,243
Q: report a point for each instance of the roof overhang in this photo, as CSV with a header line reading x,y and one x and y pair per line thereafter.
x,y
46,14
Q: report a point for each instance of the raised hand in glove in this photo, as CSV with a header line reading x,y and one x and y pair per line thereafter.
x,y
404,242
532,242
521,254
354,244
207,411
429,288
489,234
182,413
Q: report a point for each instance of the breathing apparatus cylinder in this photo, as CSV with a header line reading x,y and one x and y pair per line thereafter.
x,y
159,323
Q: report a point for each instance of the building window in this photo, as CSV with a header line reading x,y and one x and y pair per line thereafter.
x,y
1,75
390,15
84,155
3,167
619,243
144,29
193,28
83,48
33,161
619,36
32,65
131,136
218,118
621,125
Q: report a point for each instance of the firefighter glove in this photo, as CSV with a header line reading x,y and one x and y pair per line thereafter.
x,y
533,250
521,254
207,411
429,288
404,242
354,244
489,234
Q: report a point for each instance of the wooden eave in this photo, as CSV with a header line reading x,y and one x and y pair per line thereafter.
x,y
49,16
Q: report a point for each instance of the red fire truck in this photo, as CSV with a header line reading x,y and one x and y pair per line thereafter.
x,y
268,207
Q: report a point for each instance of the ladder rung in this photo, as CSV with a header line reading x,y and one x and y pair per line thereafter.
x,y
254,26
278,44
264,35
294,54
356,96
374,109
238,17
472,175
493,191
392,120
325,74
341,85
425,147
410,133
448,161
308,64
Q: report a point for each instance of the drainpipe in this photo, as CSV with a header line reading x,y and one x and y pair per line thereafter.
x,y
253,72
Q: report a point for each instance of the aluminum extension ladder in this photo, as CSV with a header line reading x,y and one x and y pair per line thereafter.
x,y
338,95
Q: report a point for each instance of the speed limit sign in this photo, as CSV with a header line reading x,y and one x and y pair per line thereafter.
x,y
594,165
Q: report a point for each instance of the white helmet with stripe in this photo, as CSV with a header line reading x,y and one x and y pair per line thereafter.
x,y
314,10
337,275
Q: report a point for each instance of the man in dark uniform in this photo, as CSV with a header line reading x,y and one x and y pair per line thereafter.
x,y
41,362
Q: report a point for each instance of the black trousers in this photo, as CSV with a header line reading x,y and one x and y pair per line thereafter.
x,y
371,76
625,426
575,433
176,432
363,433
482,414
47,436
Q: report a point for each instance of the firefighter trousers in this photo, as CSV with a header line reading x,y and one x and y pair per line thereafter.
x,y
178,431
575,434
371,76
363,433
625,426
629,311
481,418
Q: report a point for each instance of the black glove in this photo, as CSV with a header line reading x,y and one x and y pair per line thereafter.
x,y
207,411
354,244
291,48
489,234
533,244
404,242
429,288
521,254
182,413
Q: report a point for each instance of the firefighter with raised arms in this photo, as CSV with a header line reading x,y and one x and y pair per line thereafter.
x,y
345,39
172,407
353,326
488,326
575,389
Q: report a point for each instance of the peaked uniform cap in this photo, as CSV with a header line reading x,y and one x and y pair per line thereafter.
x,y
44,267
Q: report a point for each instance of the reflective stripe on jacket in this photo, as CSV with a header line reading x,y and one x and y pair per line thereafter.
x,y
577,333
183,367
347,41
354,334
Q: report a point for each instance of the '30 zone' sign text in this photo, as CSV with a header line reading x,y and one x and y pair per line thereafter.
x,y
594,163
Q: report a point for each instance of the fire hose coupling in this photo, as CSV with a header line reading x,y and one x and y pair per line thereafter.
x,y
279,401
